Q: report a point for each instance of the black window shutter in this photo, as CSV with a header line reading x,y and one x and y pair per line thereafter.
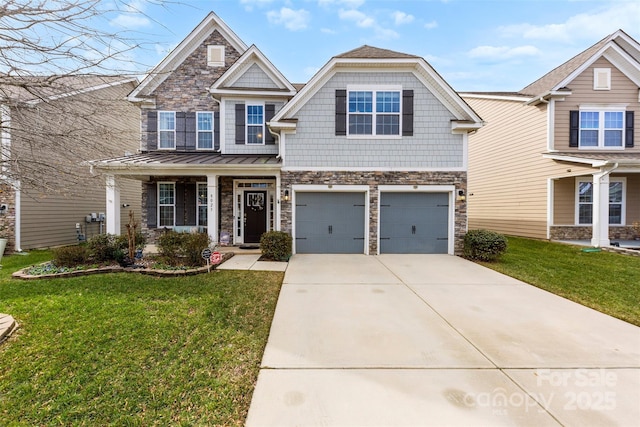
x,y
152,205
190,203
180,205
628,132
216,131
269,112
152,130
181,138
190,131
407,113
574,127
240,120
341,112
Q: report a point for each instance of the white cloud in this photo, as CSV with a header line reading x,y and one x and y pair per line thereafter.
x,y
503,52
361,19
294,20
328,31
250,4
431,25
352,4
619,14
401,18
132,17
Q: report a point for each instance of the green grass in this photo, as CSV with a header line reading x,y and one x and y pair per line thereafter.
x,y
607,282
128,349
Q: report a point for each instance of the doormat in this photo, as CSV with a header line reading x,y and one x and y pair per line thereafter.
x,y
249,247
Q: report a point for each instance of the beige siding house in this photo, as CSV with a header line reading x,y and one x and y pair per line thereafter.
x,y
49,192
560,158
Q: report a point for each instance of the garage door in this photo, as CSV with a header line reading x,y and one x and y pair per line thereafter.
x,y
330,223
414,223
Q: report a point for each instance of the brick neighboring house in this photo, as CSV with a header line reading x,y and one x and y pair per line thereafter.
x,y
370,156
560,159
51,126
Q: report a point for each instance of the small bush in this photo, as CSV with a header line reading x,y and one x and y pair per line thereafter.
x,y
484,245
102,247
276,245
122,241
70,256
182,248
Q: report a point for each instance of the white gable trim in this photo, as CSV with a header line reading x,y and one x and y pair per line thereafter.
x,y
211,23
614,54
252,56
418,66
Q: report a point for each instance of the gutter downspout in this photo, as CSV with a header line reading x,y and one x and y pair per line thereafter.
x,y
600,222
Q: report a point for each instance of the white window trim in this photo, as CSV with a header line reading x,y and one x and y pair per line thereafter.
x,y
374,89
173,184
246,121
212,131
596,80
167,130
623,216
211,53
198,204
601,109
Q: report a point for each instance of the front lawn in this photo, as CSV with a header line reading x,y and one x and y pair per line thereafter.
x,y
129,349
607,282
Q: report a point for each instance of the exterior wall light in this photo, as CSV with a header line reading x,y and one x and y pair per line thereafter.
x,y
461,197
286,197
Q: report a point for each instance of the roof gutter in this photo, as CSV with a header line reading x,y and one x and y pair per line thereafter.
x,y
545,97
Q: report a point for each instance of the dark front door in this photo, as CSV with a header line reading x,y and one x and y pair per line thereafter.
x,y
255,215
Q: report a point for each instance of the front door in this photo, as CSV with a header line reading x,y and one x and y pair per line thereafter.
x,y
255,215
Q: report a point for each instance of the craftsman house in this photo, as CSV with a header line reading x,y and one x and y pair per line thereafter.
x,y
560,158
370,156
50,126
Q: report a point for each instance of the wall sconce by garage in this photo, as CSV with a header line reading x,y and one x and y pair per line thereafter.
x,y
461,197
125,205
286,196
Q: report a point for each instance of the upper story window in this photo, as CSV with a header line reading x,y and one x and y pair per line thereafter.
x,y
204,130
601,126
255,124
374,112
601,129
167,130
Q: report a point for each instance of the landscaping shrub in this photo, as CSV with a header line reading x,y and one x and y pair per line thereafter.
x,y
122,241
182,248
276,245
102,247
484,245
70,256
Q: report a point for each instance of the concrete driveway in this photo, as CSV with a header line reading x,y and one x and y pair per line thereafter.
x,y
417,340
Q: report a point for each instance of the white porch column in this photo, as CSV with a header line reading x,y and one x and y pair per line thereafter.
x,y
212,208
600,233
113,205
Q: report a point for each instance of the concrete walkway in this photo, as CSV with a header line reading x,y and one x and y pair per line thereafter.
x,y
411,340
250,262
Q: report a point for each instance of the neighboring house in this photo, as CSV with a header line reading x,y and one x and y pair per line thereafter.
x,y
50,127
370,156
560,159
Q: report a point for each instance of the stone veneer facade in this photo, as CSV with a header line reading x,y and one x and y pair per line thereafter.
x,y
568,232
374,179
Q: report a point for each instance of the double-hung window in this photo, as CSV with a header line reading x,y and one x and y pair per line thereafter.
x,y
202,204
166,204
374,112
204,130
601,129
166,130
616,202
255,124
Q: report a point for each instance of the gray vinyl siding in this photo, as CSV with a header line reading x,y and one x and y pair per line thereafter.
x,y
432,145
254,77
230,130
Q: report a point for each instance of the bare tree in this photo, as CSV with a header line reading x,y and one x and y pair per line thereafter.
x,y
62,73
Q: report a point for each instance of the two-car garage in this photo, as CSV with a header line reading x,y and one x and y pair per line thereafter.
x,y
338,221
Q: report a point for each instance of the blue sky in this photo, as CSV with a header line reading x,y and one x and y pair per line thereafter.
x,y
475,45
